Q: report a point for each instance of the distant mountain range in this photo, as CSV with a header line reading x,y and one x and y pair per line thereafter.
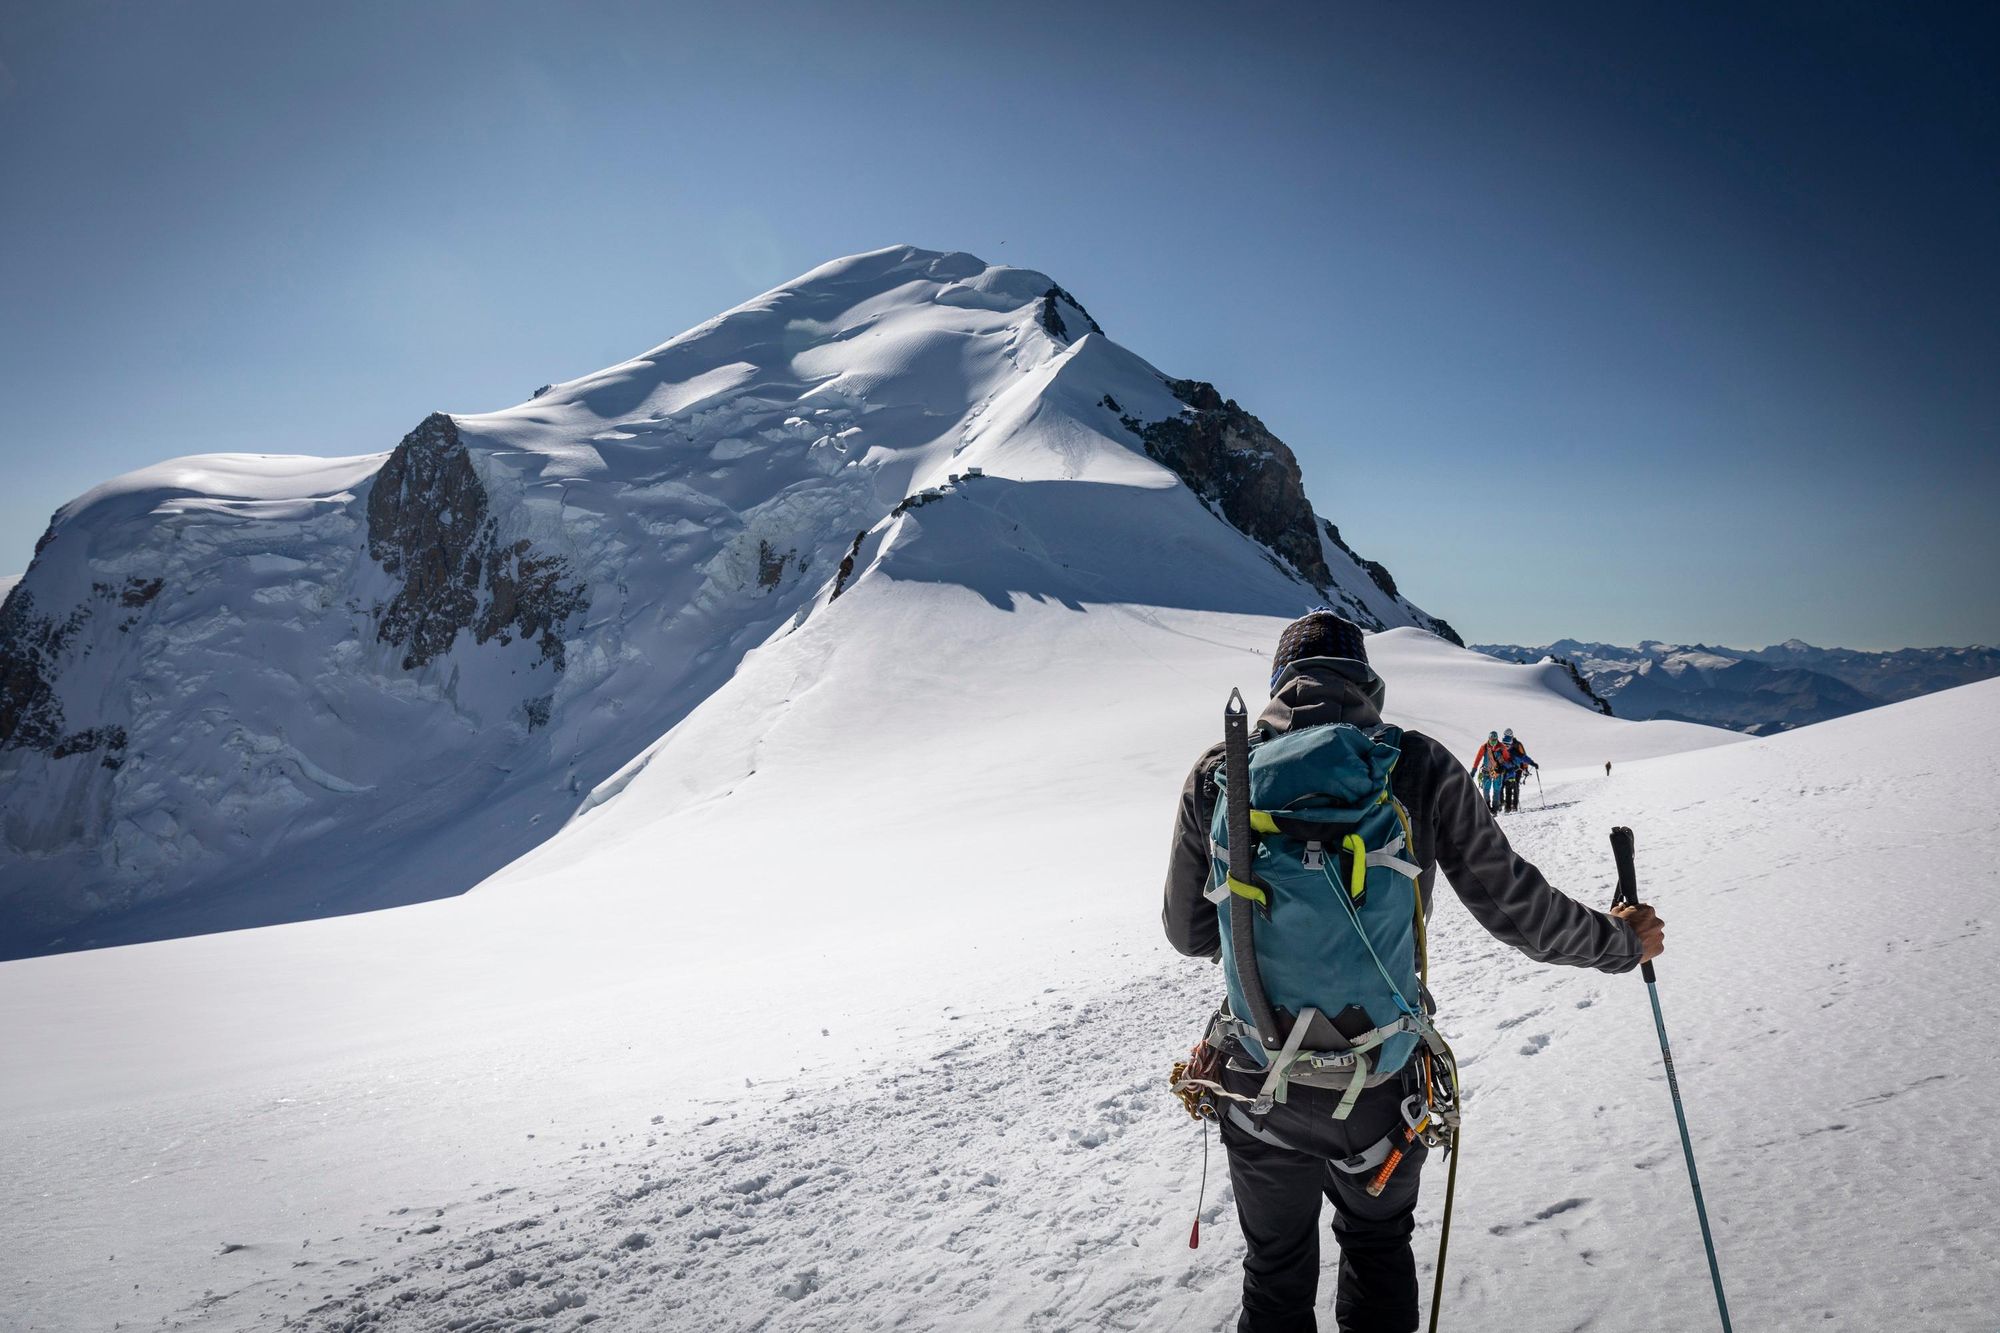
x,y
1755,690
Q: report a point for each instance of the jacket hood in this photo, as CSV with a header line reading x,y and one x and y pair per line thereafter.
x,y
1315,691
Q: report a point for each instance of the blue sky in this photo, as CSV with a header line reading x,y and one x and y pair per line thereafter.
x,y
1650,320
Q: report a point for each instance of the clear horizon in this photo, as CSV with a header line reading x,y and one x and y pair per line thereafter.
x,y
1669,323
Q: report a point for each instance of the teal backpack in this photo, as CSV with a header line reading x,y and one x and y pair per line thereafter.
x,y
1334,958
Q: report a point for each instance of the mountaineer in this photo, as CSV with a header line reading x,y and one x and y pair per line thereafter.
x,y
1486,767
1338,1090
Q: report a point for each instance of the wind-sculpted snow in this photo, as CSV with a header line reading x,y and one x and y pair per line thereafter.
x,y
364,682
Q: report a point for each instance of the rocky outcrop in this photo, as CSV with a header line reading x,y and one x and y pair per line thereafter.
x,y
1052,319
429,526
771,564
1241,470
846,570
1582,683
1230,459
1378,573
31,650
34,648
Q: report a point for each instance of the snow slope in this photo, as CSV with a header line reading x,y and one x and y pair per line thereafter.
x,y
961,1177
907,829
252,688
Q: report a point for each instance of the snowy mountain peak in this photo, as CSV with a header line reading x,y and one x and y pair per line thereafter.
x,y
246,688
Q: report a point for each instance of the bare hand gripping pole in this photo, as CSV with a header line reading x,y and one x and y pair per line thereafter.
x,y
1628,892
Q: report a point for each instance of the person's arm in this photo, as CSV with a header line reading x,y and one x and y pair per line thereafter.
x,y
1189,917
1509,897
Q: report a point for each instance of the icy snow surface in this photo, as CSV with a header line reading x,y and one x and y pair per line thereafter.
x,y
879,1039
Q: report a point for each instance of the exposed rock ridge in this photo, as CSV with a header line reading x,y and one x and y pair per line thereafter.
x,y
429,525
1229,458
1582,683
1383,579
1052,319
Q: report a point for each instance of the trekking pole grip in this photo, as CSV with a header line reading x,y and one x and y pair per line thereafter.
x,y
1628,879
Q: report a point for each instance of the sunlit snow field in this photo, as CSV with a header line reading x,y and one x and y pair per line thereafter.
x,y
880,1040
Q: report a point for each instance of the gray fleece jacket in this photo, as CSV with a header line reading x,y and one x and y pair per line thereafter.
x,y
1453,829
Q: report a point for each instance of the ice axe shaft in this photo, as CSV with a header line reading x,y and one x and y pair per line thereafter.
x,y
1628,893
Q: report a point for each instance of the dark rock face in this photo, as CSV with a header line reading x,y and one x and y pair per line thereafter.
x,y
846,570
1228,457
527,598
1052,319
771,564
1379,574
428,525
111,740
31,648
140,592
1442,628
425,514
1231,460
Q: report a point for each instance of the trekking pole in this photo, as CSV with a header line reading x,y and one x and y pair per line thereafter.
x,y
1628,892
1539,794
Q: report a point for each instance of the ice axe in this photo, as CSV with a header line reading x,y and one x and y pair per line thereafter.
x,y
1628,893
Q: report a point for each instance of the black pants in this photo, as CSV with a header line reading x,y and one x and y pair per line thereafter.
x,y
1511,791
1278,1194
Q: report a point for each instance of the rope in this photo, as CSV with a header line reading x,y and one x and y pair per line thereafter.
x,y
1444,1234
1201,1195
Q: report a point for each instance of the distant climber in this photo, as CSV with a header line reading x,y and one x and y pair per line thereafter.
x,y
1514,765
1486,768
1607,768
1320,761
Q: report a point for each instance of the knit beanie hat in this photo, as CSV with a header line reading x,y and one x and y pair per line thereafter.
x,y
1320,632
